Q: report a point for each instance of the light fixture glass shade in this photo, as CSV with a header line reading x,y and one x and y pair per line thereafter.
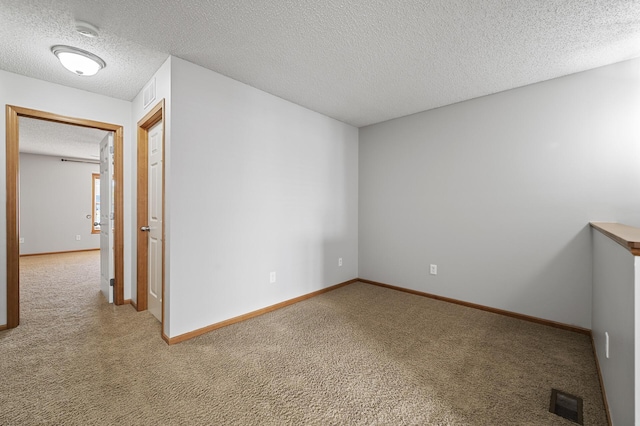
x,y
78,61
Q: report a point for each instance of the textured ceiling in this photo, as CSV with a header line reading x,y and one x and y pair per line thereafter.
x,y
361,61
60,140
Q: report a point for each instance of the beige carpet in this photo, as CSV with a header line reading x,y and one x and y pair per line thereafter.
x,y
359,355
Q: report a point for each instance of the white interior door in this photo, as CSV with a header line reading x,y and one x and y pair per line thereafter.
x,y
155,220
107,269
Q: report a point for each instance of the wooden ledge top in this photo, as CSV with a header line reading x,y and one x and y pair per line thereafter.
x,y
625,235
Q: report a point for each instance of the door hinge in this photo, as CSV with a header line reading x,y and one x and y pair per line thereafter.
x,y
112,282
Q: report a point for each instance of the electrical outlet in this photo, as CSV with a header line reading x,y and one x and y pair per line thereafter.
x,y
433,269
339,261
272,277
21,240
77,237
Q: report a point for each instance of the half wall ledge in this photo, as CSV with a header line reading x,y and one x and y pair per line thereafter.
x,y
625,235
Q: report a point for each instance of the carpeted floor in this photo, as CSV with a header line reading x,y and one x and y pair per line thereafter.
x,y
359,355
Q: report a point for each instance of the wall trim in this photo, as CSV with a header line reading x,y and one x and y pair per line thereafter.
x,y
58,252
4,327
604,393
511,314
240,318
12,161
154,116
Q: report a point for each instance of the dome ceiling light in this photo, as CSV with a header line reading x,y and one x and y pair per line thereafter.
x,y
78,61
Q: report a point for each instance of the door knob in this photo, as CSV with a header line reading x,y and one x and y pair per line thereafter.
x,y
96,223
145,228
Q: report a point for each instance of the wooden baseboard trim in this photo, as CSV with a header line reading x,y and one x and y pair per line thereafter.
x,y
126,302
516,315
4,327
58,252
200,331
604,393
132,303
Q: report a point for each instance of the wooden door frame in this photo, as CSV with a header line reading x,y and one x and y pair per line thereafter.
x,y
12,174
155,115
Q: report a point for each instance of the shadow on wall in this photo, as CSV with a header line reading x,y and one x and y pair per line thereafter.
x,y
339,259
568,272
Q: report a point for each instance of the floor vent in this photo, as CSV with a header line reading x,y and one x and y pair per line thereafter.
x,y
566,405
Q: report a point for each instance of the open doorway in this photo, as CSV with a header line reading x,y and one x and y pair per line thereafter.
x,y
59,191
14,114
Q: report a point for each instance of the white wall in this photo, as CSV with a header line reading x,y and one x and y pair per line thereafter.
x,y
614,311
255,184
27,92
498,192
55,199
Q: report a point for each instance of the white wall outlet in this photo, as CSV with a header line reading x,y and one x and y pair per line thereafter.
x,y
606,344
77,237
21,240
339,261
433,269
272,277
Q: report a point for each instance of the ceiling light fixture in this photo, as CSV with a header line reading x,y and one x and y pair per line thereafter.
x,y
78,61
